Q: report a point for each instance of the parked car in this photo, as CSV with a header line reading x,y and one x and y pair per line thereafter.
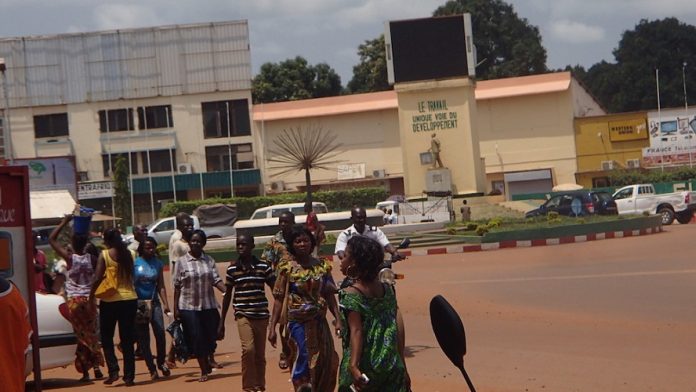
x,y
580,203
216,220
56,336
639,198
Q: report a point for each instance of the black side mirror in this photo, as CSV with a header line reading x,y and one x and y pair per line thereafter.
x,y
405,243
449,331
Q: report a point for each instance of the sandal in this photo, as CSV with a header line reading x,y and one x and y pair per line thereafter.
x,y
204,378
283,361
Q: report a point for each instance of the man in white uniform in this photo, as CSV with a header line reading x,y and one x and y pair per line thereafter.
x,y
359,216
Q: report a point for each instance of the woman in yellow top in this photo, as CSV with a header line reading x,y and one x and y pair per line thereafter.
x,y
120,307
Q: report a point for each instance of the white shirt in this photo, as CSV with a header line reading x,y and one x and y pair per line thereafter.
x,y
370,232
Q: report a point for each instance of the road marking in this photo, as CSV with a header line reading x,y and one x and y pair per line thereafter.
x,y
574,277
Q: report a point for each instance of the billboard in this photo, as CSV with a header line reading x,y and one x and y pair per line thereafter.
x,y
672,142
51,173
429,48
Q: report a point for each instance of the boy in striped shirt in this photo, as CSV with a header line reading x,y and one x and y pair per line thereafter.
x,y
246,277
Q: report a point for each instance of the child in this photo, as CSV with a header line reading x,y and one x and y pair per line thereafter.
x,y
247,276
371,343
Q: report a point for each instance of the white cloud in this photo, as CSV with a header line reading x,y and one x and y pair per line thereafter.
x,y
576,32
120,16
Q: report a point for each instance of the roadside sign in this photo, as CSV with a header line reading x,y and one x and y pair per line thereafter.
x,y
16,256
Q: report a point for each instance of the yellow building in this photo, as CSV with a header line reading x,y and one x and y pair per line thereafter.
x,y
524,125
609,142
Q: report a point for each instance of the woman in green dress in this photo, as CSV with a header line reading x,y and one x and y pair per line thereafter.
x,y
371,344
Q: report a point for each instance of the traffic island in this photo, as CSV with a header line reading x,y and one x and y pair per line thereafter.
x,y
567,234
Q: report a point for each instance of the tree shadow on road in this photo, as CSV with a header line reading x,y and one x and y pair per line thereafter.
x,y
410,351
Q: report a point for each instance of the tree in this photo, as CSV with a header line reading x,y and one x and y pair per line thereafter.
x,y
506,44
304,149
122,191
294,79
371,73
630,84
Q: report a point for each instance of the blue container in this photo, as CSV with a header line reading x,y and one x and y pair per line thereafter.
x,y
81,224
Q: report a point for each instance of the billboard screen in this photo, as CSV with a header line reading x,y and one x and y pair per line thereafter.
x,y
429,48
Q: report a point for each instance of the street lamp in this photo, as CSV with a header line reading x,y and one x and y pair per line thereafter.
x,y
7,143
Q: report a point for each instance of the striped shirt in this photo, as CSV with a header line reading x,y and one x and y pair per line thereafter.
x,y
249,298
196,278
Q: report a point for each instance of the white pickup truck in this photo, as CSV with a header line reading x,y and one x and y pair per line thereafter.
x,y
636,199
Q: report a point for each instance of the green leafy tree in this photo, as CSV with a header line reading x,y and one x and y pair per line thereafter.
x,y
371,73
506,44
629,84
304,149
122,191
294,79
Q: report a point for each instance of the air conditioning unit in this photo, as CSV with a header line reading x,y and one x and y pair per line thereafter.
x,y
381,173
277,186
607,165
633,163
184,168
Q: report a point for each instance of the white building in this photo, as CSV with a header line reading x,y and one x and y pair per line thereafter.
x,y
175,100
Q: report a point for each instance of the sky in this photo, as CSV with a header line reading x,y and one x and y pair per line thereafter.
x,y
573,32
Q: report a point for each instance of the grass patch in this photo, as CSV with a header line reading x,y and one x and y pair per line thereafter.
x,y
502,224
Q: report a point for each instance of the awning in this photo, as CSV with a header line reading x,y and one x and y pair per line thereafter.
x,y
50,204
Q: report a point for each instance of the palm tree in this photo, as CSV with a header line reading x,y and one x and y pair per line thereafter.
x,y
298,149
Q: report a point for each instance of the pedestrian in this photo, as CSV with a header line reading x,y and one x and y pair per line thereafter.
x,y
371,340
39,267
149,284
465,210
246,277
15,337
303,291
78,275
117,306
139,234
314,226
274,251
195,305
178,247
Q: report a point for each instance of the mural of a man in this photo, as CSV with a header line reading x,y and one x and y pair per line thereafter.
x,y
435,150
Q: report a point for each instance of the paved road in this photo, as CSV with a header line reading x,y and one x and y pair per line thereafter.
x,y
613,315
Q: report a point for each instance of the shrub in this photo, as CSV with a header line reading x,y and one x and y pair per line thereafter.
x,y
451,231
495,222
335,200
552,215
481,230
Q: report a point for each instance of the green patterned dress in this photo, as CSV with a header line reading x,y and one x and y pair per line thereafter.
x,y
380,359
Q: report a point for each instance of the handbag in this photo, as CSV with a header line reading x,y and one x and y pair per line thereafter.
x,y
144,312
109,285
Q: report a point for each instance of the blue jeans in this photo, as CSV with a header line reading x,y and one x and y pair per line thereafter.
x,y
143,333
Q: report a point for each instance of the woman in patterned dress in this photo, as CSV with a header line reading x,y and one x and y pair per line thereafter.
x,y
79,274
303,292
371,341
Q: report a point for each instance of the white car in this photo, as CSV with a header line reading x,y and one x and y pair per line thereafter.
x,y
56,336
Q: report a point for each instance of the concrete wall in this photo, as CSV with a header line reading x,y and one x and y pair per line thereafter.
x,y
528,133
370,137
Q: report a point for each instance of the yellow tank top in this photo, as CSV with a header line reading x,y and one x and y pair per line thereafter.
x,y
125,291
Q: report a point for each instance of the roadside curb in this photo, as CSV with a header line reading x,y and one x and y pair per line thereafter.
x,y
467,248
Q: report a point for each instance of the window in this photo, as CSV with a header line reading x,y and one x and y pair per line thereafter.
x,y
218,157
152,117
116,120
624,194
51,125
215,115
114,158
159,161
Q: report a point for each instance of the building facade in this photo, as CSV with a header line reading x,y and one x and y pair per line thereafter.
x,y
173,101
525,128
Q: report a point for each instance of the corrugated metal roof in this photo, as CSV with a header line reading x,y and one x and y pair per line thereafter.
x,y
127,64
487,89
